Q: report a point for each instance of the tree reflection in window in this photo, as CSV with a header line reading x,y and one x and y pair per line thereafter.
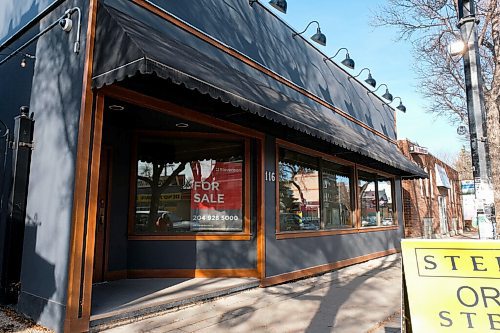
x,y
375,194
189,185
298,192
336,196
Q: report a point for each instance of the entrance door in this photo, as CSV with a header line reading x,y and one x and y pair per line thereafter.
x,y
442,214
102,216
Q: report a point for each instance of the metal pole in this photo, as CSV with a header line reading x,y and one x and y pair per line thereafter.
x,y
477,121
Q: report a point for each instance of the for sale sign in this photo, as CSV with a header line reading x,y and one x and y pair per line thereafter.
x,y
216,196
453,286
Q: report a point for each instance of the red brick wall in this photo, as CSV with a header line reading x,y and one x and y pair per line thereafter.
x,y
420,197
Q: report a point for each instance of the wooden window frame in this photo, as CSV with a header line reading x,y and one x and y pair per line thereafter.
x,y
216,235
355,204
321,157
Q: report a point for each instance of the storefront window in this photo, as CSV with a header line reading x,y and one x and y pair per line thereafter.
x,y
304,204
298,192
189,186
336,196
368,199
375,195
315,194
385,202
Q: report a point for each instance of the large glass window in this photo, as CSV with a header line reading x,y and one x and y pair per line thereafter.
x,y
368,199
189,185
375,195
336,196
385,202
314,194
299,192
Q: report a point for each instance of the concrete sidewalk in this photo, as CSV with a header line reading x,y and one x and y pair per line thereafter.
x,y
360,298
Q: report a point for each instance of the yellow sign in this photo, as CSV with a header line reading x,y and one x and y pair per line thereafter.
x,y
453,286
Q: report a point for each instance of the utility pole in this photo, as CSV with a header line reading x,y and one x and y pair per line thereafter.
x,y
477,121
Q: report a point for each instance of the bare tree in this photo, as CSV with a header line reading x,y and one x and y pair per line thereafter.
x,y
430,25
463,165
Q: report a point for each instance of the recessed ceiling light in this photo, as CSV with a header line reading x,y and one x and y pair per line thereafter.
x,y
182,125
116,107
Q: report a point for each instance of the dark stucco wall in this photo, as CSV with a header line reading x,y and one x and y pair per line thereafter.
x,y
288,255
56,87
191,254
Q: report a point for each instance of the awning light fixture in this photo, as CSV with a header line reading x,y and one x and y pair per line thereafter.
x,y
387,95
400,107
369,80
318,37
348,62
279,5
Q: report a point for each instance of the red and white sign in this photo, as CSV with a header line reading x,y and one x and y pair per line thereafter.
x,y
216,198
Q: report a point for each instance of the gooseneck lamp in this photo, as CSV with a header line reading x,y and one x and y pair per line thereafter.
x,y
318,37
369,80
387,95
348,62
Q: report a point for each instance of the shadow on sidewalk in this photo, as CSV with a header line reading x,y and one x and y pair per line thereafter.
x,y
341,288
339,294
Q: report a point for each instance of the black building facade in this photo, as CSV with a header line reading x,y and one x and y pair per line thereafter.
x,y
189,139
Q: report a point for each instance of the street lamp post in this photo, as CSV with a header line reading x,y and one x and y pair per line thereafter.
x,y
477,121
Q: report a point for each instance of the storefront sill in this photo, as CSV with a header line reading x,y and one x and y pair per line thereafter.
x,y
193,273
287,235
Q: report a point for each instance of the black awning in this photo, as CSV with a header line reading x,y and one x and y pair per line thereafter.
x,y
131,39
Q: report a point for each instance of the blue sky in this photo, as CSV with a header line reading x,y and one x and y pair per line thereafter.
x,y
346,24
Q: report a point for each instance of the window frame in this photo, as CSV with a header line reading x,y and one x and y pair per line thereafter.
x,y
352,198
245,234
379,174
355,203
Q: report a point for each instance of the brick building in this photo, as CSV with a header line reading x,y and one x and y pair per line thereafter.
x,y
432,207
